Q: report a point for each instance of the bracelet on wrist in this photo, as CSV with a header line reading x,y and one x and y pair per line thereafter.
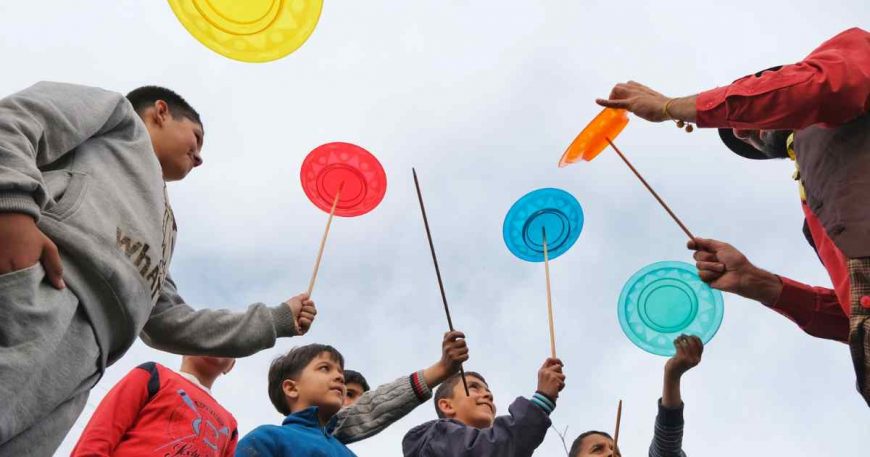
x,y
680,124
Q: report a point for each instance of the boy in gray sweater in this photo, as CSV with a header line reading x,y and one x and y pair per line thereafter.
x,y
86,237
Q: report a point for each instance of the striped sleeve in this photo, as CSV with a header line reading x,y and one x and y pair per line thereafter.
x,y
668,436
544,402
421,389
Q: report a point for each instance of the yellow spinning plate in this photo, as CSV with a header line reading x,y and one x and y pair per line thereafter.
x,y
249,30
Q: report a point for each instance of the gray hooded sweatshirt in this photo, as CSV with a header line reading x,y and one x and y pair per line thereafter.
x,y
80,161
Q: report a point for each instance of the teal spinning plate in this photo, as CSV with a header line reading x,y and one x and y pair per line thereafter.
x,y
664,300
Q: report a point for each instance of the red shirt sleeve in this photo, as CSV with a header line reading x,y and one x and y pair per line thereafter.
x,y
815,309
114,416
831,86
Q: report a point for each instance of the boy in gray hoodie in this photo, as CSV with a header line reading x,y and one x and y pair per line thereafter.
x,y
86,237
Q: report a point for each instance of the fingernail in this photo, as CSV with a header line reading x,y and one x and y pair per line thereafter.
x,y
62,284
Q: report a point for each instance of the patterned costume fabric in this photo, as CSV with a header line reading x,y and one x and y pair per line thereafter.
x,y
859,324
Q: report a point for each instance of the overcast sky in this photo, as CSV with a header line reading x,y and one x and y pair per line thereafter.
x,y
482,97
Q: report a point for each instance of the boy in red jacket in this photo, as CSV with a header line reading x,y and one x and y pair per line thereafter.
x,y
157,411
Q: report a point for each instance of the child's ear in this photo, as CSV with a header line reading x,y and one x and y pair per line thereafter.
x,y
230,368
161,112
289,388
446,407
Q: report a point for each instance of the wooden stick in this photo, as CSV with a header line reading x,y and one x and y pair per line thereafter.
x,y
616,435
650,189
323,240
437,271
549,297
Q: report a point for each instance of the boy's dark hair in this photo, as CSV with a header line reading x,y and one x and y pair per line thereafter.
x,y
445,390
290,365
356,377
145,96
575,448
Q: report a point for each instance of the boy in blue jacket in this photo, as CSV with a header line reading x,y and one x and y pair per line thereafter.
x,y
306,384
467,425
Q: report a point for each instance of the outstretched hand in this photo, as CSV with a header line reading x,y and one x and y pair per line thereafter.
x,y
551,379
725,268
688,356
454,351
720,264
637,98
24,245
304,311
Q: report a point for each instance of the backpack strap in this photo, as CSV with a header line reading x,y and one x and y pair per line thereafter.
x,y
154,380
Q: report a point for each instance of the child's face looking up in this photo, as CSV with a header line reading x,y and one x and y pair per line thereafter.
x,y
320,384
354,391
177,141
475,410
596,445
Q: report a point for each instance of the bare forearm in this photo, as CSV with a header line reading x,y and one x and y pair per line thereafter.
x,y
762,286
683,109
671,397
436,374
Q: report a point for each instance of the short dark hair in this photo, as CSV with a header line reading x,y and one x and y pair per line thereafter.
x,y
356,377
445,390
290,365
575,448
144,97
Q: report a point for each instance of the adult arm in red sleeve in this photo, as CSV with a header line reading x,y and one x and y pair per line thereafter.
x,y
830,86
814,309
114,416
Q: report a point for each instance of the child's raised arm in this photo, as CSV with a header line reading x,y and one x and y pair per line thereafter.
x,y
379,408
689,351
668,436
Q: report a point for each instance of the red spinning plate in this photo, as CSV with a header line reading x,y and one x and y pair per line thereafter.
x,y
359,174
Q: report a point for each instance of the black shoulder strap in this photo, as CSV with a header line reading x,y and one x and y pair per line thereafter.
x,y
154,380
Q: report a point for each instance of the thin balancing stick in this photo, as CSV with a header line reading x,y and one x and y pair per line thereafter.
x,y
437,270
616,435
549,296
650,189
323,240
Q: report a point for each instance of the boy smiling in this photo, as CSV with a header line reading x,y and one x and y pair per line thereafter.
x,y
467,424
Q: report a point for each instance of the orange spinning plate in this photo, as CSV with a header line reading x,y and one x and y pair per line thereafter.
x,y
593,139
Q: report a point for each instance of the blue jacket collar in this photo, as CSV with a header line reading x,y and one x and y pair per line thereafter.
x,y
308,418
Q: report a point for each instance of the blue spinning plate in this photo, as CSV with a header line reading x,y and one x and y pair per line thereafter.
x,y
665,299
553,210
